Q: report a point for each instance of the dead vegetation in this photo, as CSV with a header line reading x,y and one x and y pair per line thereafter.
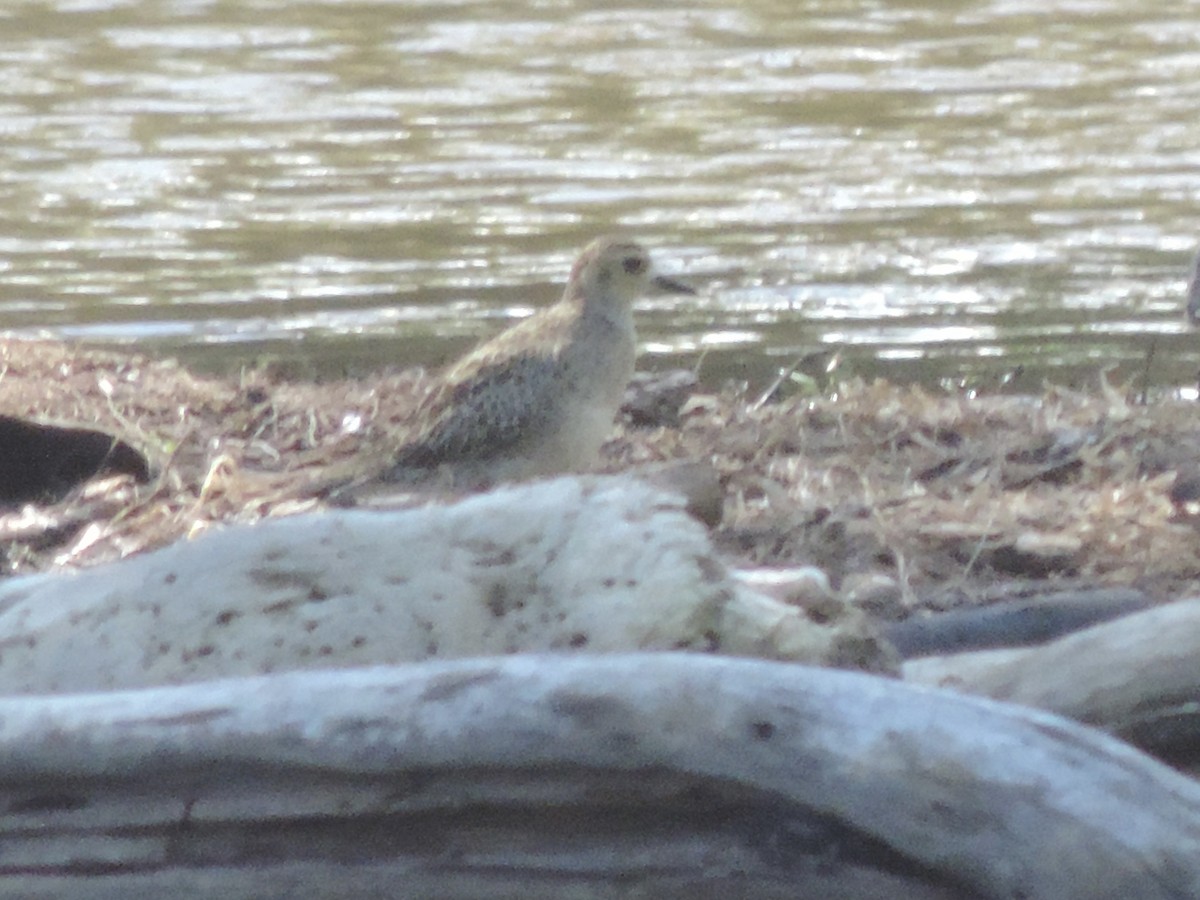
x,y
900,495
942,498
222,450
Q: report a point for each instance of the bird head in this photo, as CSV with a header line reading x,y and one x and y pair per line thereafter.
x,y
617,269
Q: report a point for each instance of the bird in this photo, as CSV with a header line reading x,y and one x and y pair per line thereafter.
x,y
1193,292
541,397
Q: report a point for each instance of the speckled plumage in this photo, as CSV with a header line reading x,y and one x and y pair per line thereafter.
x,y
540,398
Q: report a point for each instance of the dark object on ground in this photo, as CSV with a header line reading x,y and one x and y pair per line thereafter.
x,y
653,399
1017,623
41,463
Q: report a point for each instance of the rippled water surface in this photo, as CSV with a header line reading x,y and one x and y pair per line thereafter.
x,y
939,191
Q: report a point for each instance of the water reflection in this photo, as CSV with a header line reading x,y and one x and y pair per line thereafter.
x,y
942,192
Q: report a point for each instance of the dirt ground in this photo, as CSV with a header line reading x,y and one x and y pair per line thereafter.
x,y
905,498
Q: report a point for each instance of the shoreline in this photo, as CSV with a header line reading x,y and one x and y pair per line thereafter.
x,y
907,499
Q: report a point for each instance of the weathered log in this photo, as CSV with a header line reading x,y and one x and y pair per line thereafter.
x,y
1136,676
589,564
664,775
1011,623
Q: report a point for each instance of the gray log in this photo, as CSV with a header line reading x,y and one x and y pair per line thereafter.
x,y
663,775
1136,676
1031,620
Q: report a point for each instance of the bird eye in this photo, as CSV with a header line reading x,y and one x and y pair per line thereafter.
x,y
634,265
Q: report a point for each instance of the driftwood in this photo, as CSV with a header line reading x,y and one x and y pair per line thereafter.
x,y
664,775
1136,676
1011,623
597,564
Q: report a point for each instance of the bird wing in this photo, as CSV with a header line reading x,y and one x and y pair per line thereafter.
x,y
485,411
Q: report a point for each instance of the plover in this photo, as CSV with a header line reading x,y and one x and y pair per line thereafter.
x,y
541,397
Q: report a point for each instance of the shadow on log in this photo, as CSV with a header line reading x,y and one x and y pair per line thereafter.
x,y
42,463
1015,623
663,775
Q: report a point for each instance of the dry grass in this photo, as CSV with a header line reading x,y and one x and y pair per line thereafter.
x,y
932,493
947,496
233,450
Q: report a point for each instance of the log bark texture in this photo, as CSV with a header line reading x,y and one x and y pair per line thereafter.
x,y
635,775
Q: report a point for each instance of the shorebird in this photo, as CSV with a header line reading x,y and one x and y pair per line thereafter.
x,y
541,397
1193,292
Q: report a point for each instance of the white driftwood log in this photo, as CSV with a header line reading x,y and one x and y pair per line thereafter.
x,y
1136,676
648,775
591,564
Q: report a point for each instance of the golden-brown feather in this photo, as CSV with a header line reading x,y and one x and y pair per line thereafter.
x,y
540,397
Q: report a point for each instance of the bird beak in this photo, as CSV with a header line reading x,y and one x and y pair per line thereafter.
x,y
670,285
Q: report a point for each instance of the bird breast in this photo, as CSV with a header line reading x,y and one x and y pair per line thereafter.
x,y
596,372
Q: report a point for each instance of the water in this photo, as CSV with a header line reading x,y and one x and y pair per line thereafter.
x,y
989,192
